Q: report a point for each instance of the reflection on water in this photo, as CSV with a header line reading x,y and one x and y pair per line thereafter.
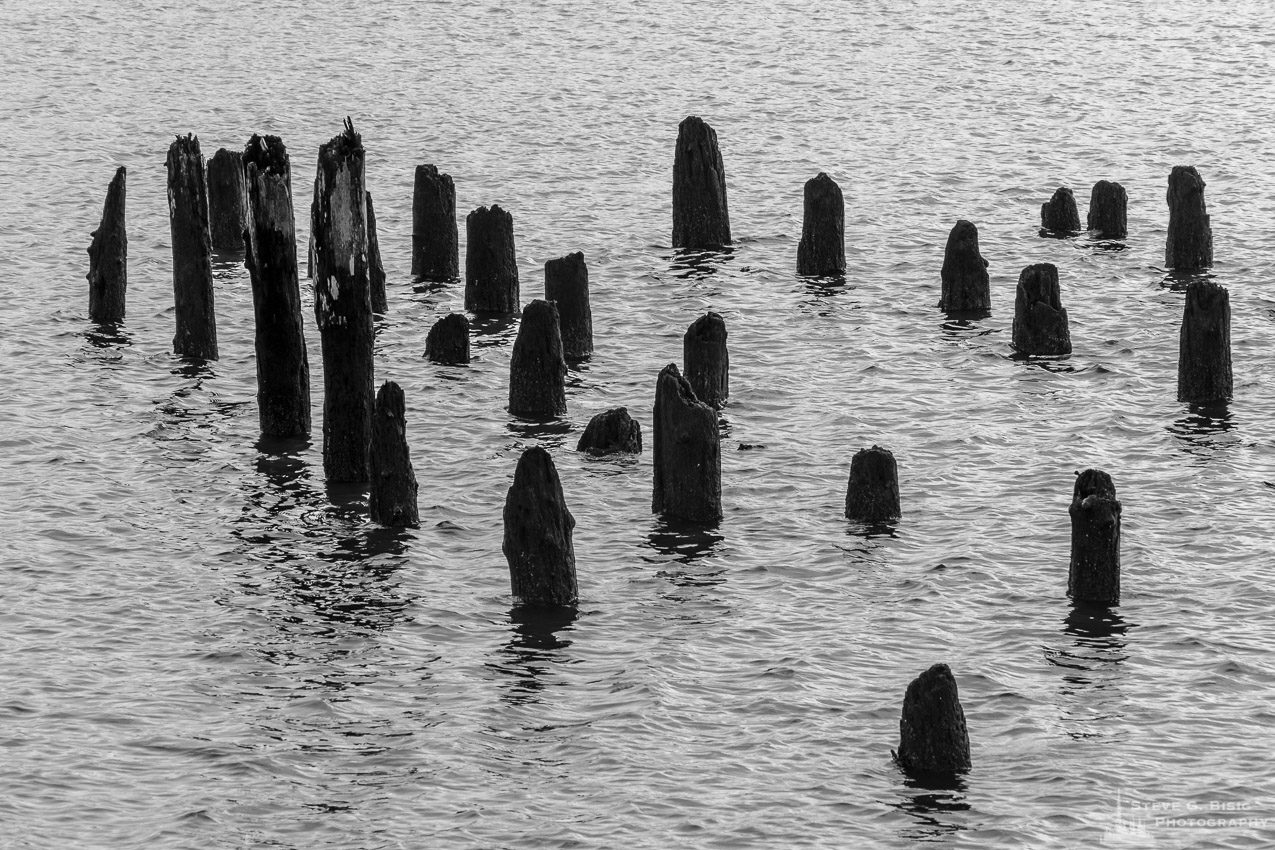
x,y
488,329
539,636
1046,362
1107,245
826,286
1090,655
936,810
1204,427
551,432
965,325
871,530
1178,281
683,542
697,264
108,335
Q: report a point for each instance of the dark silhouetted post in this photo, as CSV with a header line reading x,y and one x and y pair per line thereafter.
x,y
537,370
872,494
491,269
1189,245
1094,576
567,283
700,219
435,252
314,213
687,452
1204,346
375,270
227,200
538,526
933,741
706,361
448,340
966,285
1040,322
108,256
611,432
196,335
1108,210
1059,215
822,249
343,307
392,495
283,367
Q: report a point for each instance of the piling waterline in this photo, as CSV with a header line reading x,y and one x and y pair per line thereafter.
x,y
822,249
966,284
700,219
537,370
227,200
537,542
375,269
1094,574
392,495
872,493
108,256
491,268
196,336
435,239
934,744
1040,322
1189,243
706,361
1204,345
611,432
567,284
448,340
687,452
1108,210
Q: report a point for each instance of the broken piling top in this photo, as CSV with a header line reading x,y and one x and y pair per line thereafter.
x,y
1040,322
567,283
1059,215
700,219
196,335
1108,210
392,495
934,743
537,370
448,340
966,285
227,200
108,256
1189,244
706,359
537,542
872,493
611,432
822,249
1094,574
1204,345
270,155
687,452
435,240
491,269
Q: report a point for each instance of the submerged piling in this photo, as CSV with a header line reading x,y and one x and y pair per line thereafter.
x,y
227,200
687,452
567,283
822,249
392,496
706,360
1094,575
1108,210
375,270
1040,322
1059,214
1204,344
872,493
934,743
196,335
1189,244
611,432
537,370
700,219
448,340
537,542
966,285
435,251
108,256
491,269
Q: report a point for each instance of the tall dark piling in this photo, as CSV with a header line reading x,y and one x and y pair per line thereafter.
x,y
375,269
567,283
227,200
343,307
822,249
687,452
1059,215
1108,210
196,335
933,741
314,212
700,220
1094,575
966,285
108,256
435,251
1040,322
392,495
1189,245
872,493
448,340
283,367
611,432
491,269
706,360
538,526
1204,345
537,370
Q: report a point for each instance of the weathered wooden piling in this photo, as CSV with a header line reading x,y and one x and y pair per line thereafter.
x,y
934,743
1189,244
1108,210
567,283
343,306
1040,322
392,495
611,432
108,256
314,212
1094,575
375,270
538,526
700,219
872,493
283,367
1059,214
491,269
706,361
1204,344
966,285
687,452
227,200
196,335
822,249
448,340
435,251
537,370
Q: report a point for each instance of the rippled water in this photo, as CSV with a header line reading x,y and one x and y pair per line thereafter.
x,y
205,647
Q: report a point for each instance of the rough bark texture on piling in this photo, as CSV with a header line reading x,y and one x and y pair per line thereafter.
x,y
392,495
196,335
966,285
375,270
448,340
611,432
491,269
1059,214
567,283
822,249
314,212
283,367
1189,245
108,256
872,493
706,361
1040,322
1094,575
1108,210
435,251
227,200
687,452
538,526
933,740
700,219
537,370
1204,345
343,307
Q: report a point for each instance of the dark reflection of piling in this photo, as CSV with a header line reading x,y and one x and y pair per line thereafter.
x,y
491,329
1090,657
1203,427
551,432
108,335
1177,280
1107,246
538,638
684,542
936,809
696,264
964,326
872,530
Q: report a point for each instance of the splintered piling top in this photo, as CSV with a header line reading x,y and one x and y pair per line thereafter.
x,y
268,153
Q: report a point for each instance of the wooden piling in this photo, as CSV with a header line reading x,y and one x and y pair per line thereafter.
x,y
611,432
934,743
196,336
227,200
491,269
448,340
537,370
392,495
108,256
1204,345
822,249
375,269
435,253
1108,210
567,283
1040,322
872,493
1059,214
687,452
1094,575
1189,244
700,219
706,361
537,542
966,285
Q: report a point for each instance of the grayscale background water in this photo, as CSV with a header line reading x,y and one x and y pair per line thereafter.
x,y
204,648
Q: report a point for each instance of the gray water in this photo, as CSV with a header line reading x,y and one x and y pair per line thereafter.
x,y
203,647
